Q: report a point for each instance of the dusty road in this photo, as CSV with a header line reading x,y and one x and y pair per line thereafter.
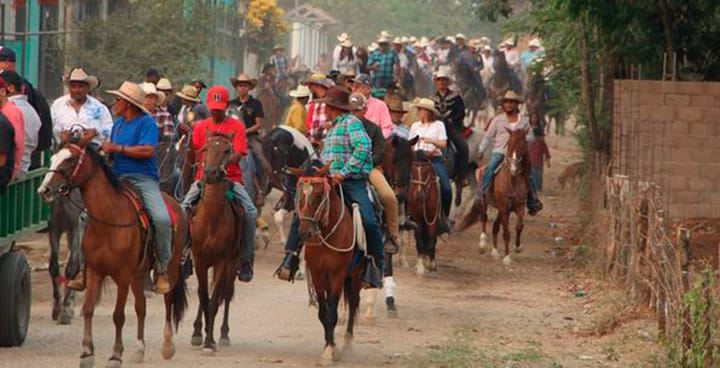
x,y
473,313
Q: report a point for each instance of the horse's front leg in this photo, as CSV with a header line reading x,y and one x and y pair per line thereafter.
x,y
482,245
54,271
496,230
115,360
93,281
140,311
506,237
71,270
518,229
225,328
202,276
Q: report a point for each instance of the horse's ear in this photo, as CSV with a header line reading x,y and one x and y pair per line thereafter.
x,y
414,140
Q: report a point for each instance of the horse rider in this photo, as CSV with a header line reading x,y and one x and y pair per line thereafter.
x,y
376,110
316,120
452,110
249,110
192,109
384,64
377,179
498,135
218,100
347,149
432,140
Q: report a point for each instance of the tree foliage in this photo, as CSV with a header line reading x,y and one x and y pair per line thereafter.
x,y
265,23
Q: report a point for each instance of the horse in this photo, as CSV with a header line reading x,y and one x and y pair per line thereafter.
x,y
471,88
270,102
334,264
424,208
65,213
503,79
508,194
216,232
114,246
170,160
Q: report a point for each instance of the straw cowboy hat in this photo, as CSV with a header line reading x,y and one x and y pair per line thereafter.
x,y
243,78
510,95
189,93
342,37
427,104
337,97
131,93
460,36
346,43
412,39
320,80
151,89
79,75
510,41
383,39
385,34
300,92
278,47
396,106
372,47
164,85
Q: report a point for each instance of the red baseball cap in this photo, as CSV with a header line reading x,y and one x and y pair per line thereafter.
x,y
218,98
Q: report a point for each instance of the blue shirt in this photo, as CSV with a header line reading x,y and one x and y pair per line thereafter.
x,y
141,131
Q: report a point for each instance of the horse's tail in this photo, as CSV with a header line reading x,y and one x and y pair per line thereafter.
x,y
178,299
347,297
477,212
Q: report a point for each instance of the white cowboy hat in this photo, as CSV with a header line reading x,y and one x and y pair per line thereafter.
x,y
442,73
460,36
372,47
164,84
487,48
79,75
342,37
397,41
510,95
189,92
427,104
535,42
131,93
412,39
385,34
383,39
151,89
300,92
404,39
346,43
509,42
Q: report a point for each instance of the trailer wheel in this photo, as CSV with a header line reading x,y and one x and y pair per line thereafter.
x,y
15,289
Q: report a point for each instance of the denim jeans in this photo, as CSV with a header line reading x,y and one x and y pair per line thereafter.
x,y
248,167
247,254
445,189
536,174
149,190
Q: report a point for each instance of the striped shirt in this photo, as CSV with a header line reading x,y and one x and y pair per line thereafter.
x,y
347,147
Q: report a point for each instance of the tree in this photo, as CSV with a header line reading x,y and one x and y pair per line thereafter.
x,y
265,23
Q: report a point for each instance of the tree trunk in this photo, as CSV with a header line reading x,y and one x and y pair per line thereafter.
x,y
586,95
668,27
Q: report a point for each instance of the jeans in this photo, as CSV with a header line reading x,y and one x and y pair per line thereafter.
x,y
445,189
248,165
496,159
247,254
461,150
149,190
536,174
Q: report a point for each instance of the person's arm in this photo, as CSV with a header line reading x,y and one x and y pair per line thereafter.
x,y
488,137
239,144
362,149
440,140
385,121
378,147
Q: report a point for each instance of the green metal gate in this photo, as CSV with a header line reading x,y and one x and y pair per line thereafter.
x,y
22,211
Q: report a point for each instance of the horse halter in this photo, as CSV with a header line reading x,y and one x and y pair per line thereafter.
x,y
423,183
69,185
216,140
321,216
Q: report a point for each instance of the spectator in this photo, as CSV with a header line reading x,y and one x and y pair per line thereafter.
x,y
31,118
7,145
14,116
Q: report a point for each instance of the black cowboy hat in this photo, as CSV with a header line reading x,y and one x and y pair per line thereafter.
x,y
337,97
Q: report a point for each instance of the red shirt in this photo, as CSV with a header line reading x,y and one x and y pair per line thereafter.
x,y
229,126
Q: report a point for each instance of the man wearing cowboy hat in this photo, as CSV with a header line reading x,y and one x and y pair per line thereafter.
x,y
30,117
316,120
497,136
347,149
133,146
79,109
154,100
220,122
384,63
452,110
280,61
533,53
297,113
192,109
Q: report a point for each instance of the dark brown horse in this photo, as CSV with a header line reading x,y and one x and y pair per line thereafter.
x,y
326,226
508,194
216,230
503,79
64,220
424,208
114,246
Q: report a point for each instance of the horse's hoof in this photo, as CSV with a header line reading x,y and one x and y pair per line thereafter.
x,y
65,317
495,254
114,363
426,262
168,351
519,249
224,341
328,356
420,268
87,362
55,312
196,340
209,351
433,266
137,356
506,260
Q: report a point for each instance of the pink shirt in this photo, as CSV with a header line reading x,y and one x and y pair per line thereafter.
x,y
14,115
378,113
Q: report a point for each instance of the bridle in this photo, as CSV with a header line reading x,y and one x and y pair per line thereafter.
x,y
513,160
216,140
423,183
321,216
70,182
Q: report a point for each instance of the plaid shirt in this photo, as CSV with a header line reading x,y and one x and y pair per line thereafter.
x,y
347,147
316,120
281,63
383,76
165,124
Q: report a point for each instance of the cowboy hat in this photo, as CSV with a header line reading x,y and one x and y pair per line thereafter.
x,y
510,95
412,39
346,43
164,84
385,34
358,101
79,75
337,97
383,39
320,80
342,37
189,93
131,93
300,92
373,46
151,89
243,78
485,40
278,47
535,42
510,41
460,36
396,106
442,73
427,104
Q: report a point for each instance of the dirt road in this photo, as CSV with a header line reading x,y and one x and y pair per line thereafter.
x,y
473,313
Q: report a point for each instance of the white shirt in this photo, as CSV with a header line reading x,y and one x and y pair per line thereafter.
x,y
32,127
92,115
434,130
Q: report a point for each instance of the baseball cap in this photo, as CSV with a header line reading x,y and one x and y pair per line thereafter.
x,y
363,78
7,54
218,98
357,101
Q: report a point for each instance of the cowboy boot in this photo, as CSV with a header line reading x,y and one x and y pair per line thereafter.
x,y
371,277
538,205
289,267
245,271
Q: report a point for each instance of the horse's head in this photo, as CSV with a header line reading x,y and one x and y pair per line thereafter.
x,y
499,61
397,163
278,149
69,167
312,200
516,150
217,151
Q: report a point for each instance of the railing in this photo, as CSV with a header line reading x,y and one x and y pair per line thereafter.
x,y
21,208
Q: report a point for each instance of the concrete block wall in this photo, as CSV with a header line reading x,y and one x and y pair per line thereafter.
x,y
669,133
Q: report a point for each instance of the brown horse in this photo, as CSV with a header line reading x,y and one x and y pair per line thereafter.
x,y
216,231
424,208
115,246
326,226
508,194
503,79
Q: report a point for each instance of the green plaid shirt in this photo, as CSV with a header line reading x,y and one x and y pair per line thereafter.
x,y
348,147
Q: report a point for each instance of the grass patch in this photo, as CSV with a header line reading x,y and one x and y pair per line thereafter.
x,y
526,355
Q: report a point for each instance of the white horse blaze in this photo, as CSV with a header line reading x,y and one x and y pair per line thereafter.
x,y
55,162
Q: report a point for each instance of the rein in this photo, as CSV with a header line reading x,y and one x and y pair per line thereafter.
x,y
322,213
423,184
